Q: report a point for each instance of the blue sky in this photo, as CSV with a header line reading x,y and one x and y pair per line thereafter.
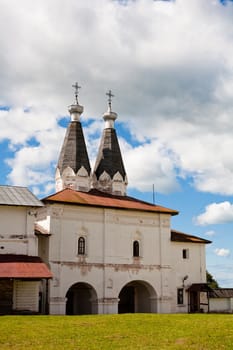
x,y
169,65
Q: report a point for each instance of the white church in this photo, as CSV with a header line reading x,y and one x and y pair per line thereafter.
x,y
91,249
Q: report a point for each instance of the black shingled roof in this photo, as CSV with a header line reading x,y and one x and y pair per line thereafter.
x,y
74,151
109,157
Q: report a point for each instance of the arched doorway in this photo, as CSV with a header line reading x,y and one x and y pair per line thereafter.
x,y
137,296
81,300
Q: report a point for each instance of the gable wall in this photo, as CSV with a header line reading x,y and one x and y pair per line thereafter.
x,y
194,267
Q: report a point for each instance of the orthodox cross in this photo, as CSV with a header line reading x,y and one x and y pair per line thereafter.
x,y
110,95
76,88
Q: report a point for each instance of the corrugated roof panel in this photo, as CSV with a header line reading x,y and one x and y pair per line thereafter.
x,y
15,195
221,293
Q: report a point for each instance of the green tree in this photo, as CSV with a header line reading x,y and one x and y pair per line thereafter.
x,y
212,283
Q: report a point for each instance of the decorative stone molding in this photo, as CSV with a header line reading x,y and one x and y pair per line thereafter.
x,y
68,179
57,212
82,172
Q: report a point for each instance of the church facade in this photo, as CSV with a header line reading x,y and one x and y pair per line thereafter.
x,y
108,252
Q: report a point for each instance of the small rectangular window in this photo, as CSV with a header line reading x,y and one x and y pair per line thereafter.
x,y
81,246
185,253
180,296
135,248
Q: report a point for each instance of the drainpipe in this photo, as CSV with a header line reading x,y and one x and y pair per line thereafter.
x,y
160,261
104,272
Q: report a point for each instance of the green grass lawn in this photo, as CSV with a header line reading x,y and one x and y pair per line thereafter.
x,y
134,331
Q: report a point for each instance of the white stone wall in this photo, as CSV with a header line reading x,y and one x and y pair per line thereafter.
x,y
221,305
109,265
194,267
17,230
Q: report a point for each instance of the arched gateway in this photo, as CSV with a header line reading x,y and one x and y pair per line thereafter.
x,y
81,300
137,296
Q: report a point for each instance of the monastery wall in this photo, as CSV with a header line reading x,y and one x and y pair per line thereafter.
x,y
17,231
108,263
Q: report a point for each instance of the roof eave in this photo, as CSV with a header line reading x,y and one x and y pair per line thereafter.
x,y
169,211
181,237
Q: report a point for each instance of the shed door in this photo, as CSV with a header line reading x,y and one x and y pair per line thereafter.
x,y
194,301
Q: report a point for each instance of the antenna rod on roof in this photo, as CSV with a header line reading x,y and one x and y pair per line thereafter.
x,y
153,194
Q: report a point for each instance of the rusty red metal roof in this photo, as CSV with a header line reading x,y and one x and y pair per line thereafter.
x,y
100,199
23,267
177,236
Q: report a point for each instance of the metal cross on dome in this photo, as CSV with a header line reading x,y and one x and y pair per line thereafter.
x,y
110,95
76,87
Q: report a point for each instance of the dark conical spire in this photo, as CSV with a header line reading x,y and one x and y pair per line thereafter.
x,y
109,172
73,169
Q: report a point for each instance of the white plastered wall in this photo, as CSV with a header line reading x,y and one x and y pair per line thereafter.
x,y
221,305
108,264
17,230
194,266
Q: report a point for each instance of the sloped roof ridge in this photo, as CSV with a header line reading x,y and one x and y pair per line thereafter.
x,y
18,196
221,293
184,237
97,198
17,186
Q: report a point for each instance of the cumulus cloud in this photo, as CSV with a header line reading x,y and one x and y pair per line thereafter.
x,y
222,252
34,138
151,164
171,72
216,213
210,233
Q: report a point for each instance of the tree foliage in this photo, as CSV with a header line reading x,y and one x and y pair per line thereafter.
x,y
212,283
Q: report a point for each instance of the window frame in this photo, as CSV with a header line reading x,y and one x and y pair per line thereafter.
x,y
81,245
185,253
136,249
180,296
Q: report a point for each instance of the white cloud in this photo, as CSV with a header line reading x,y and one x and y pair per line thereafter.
x,y
210,233
151,164
222,252
171,72
216,213
35,138
19,125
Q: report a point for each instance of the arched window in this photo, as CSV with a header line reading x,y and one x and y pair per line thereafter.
x,y
81,246
135,248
